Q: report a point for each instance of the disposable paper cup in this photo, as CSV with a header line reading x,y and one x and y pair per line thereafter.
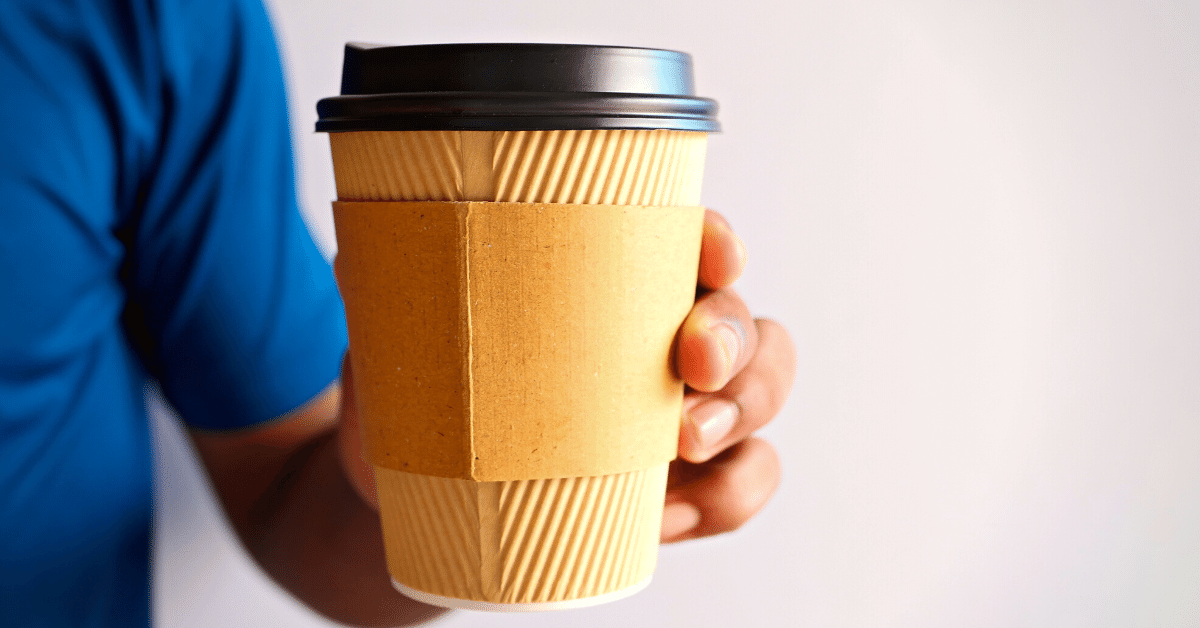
x,y
457,536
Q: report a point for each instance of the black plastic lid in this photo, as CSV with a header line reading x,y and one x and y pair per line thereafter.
x,y
505,87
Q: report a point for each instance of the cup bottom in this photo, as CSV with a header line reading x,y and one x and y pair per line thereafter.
x,y
520,607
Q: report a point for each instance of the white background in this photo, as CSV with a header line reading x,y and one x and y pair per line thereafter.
x,y
981,223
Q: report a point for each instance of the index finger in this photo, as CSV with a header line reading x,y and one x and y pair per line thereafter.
x,y
722,253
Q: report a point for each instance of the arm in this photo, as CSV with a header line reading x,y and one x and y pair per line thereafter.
x,y
297,513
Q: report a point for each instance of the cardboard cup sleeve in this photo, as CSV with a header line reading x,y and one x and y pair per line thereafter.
x,y
512,366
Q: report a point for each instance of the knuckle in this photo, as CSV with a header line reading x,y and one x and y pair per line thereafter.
x,y
761,396
733,502
761,400
742,490
775,372
777,337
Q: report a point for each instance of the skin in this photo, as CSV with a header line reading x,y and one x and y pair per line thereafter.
x,y
302,499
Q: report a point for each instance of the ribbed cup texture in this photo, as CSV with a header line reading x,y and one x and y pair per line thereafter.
x,y
522,541
408,166
612,167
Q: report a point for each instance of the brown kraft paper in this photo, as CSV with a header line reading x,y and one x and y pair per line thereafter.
x,y
504,341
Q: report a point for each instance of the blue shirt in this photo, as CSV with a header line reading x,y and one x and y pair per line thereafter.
x,y
148,231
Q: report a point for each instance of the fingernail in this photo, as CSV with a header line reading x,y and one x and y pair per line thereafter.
x,y
712,421
741,251
679,518
732,337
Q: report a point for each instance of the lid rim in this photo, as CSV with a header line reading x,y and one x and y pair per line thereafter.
x,y
517,123
515,86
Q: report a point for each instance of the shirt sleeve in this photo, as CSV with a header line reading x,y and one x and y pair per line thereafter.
x,y
230,303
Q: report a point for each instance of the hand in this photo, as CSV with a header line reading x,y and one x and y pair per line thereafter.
x,y
739,371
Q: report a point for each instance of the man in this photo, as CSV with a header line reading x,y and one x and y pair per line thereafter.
x,y
149,232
